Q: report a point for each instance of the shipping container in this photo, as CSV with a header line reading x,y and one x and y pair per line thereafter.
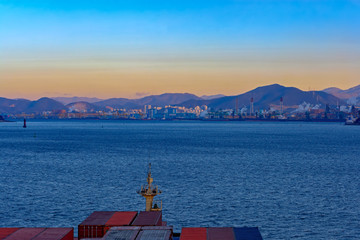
x,y
247,233
120,219
193,234
123,233
25,233
154,234
90,239
220,233
4,232
148,219
56,234
126,228
157,228
94,225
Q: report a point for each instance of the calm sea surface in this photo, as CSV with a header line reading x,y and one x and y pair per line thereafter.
x,y
292,180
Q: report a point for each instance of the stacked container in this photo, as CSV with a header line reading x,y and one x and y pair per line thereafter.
x,y
120,219
56,234
98,223
123,233
220,233
244,233
139,233
148,219
193,234
37,233
25,234
94,225
155,233
4,232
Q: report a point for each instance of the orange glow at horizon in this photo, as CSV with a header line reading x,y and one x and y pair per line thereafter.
x,y
34,84
135,74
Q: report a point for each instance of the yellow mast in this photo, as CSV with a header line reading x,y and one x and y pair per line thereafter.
x,y
149,192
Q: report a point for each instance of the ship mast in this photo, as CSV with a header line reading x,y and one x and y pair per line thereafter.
x,y
149,191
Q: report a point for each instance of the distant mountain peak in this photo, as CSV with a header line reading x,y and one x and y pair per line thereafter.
x,y
331,89
67,100
210,97
344,94
272,86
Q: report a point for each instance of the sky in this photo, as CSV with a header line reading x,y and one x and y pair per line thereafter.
x,y
134,48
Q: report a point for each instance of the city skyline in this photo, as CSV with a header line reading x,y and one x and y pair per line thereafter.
x,y
137,48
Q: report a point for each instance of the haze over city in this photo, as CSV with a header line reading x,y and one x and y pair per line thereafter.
x,y
137,48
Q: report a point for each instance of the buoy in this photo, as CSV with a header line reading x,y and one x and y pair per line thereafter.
x,y
24,123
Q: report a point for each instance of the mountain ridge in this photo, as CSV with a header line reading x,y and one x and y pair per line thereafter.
x,y
344,94
264,97
68,100
153,100
267,96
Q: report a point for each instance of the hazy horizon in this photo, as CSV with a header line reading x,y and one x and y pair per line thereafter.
x,y
142,95
132,49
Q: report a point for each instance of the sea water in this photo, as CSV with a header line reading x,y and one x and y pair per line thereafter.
x,y
293,180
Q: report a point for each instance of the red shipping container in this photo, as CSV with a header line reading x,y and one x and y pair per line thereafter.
x,y
94,225
120,219
126,228
56,234
193,234
89,231
25,233
221,233
4,232
157,228
148,219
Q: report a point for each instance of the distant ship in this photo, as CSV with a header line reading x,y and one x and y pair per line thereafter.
x,y
351,120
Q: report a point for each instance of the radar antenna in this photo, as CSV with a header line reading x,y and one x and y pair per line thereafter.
x,y
149,191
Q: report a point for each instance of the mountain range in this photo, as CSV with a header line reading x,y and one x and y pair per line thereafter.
x,y
14,106
67,100
267,96
351,95
153,100
264,97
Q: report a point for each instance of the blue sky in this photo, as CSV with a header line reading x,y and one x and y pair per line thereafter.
x,y
296,42
263,22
